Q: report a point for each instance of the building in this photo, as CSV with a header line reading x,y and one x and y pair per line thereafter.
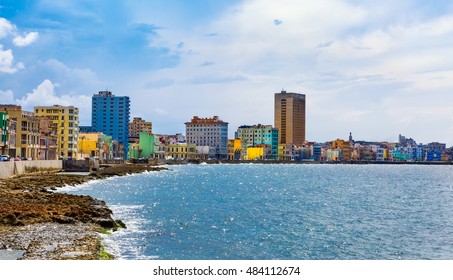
x,y
27,132
258,135
317,152
403,141
436,146
48,139
182,151
286,152
344,146
289,117
91,145
3,133
211,132
67,120
139,125
234,149
110,115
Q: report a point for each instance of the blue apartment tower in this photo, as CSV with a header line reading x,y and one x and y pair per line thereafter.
x,y
110,115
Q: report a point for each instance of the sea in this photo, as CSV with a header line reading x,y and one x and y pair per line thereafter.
x,y
280,212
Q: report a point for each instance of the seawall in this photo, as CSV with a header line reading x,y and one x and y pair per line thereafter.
x,y
10,168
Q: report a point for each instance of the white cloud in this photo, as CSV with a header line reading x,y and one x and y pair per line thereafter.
x,y
7,64
9,29
372,65
6,28
45,95
27,40
6,97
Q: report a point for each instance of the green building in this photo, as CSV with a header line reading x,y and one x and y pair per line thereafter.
x,y
3,132
145,147
259,135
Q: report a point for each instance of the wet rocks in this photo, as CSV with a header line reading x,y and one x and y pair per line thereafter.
x,y
36,217
41,241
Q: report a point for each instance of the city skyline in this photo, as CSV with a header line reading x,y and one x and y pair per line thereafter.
x,y
376,70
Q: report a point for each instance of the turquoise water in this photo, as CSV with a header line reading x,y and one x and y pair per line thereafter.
x,y
295,212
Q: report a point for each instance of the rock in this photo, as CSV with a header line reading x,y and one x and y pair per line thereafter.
x,y
105,223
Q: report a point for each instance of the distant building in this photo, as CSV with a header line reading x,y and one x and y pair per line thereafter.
x,y
3,133
211,132
286,152
48,139
139,125
110,115
182,151
234,149
436,146
95,145
344,146
67,120
317,152
259,135
403,141
86,129
289,117
27,132
434,156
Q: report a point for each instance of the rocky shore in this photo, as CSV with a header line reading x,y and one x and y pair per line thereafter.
x,y
41,224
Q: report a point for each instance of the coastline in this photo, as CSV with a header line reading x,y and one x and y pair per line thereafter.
x,y
36,223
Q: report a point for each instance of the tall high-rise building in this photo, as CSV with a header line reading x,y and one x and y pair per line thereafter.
x,y
66,118
209,132
110,115
289,117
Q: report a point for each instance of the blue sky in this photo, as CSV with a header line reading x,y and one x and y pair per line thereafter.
x,y
373,68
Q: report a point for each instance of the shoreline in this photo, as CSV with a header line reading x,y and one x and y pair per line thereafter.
x,y
362,162
37,223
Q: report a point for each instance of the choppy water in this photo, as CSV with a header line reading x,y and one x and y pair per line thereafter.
x,y
282,212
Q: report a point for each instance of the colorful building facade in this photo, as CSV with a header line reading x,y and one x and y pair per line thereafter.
x,y
110,115
257,136
66,118
27,132
212,132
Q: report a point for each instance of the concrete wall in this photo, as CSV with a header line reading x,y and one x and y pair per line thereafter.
x,y
85,165
10,168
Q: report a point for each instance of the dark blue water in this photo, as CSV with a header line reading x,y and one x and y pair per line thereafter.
x,y
282,212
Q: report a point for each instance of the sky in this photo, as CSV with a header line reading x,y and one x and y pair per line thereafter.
x,y
374,68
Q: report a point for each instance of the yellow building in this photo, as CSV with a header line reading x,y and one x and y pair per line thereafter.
x,y
345,148
27,132
90,144
182,151
67,120
255,153
234,149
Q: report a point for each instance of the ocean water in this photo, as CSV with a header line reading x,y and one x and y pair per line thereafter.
x,y
297,212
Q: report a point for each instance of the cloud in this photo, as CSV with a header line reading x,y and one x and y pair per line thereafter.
x,y
158,83
9,29
45,95
27,40
360,65
6,28
324,44
207,63
6,97
7,64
